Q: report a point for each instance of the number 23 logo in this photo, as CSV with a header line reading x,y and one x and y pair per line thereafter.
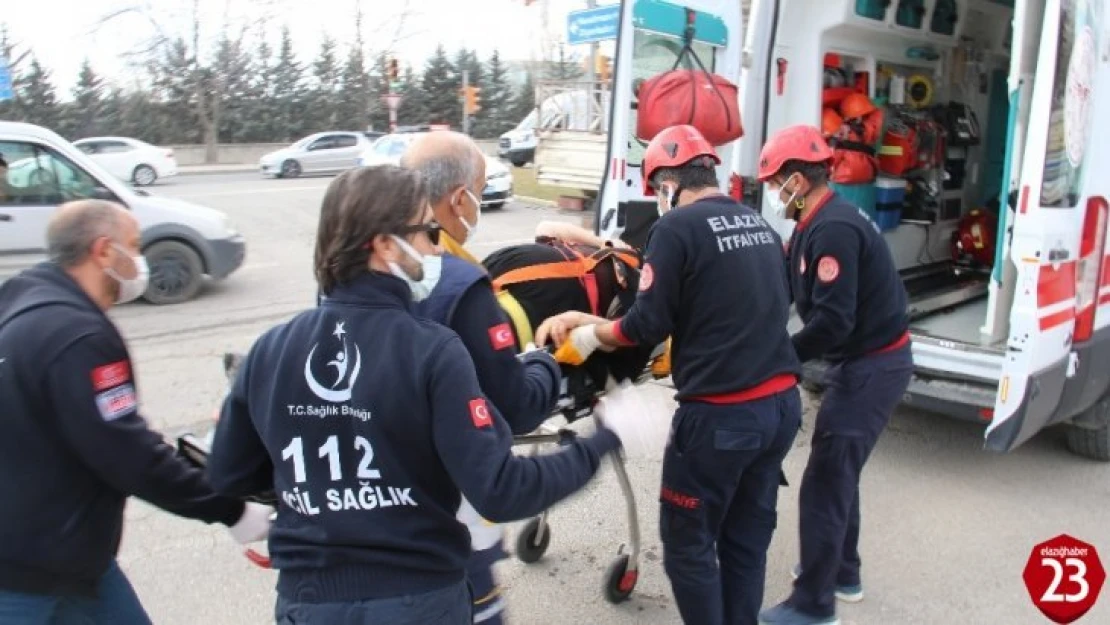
x,y
330,450
1079,577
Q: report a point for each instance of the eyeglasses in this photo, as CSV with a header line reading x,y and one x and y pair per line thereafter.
x,y
432,228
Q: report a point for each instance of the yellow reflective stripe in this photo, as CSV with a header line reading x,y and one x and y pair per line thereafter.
x,y
493,594
516,314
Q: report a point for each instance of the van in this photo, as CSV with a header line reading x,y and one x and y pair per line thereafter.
x,y
182,242
1018,342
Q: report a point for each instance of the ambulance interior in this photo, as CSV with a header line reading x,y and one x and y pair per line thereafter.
x,y
936,74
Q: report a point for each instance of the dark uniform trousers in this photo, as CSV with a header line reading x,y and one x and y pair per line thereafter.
x,y
859,398
718,507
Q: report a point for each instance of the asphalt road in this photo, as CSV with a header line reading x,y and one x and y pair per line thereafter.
x,y
947,527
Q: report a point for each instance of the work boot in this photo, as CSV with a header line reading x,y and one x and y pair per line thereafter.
x,y
785,614
847,594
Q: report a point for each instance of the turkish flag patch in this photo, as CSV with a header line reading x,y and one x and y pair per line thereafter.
x,y
827,269
111,375
647,277
501,336
479,413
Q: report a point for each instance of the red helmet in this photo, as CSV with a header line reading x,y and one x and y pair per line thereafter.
x,y
793,143
856,105
831,121
674,147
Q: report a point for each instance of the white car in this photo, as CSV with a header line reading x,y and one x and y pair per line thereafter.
x,y
388,150
182,242
129,159
320,153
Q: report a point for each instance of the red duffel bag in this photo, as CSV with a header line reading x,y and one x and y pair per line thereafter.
x,y
706,101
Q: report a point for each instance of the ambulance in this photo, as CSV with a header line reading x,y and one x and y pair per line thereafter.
x,y
987,189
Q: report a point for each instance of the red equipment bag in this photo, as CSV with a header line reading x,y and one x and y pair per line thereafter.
x,y
854,159
899,151
704,100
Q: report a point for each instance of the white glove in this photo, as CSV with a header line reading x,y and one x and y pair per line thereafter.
x,y
254,525
579,345
639,417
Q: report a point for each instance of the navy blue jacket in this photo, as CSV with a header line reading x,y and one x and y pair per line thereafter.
x,y
845,284
370,425
524,389
713,279
73,445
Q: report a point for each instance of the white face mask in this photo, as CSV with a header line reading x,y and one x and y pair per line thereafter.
x,y
663,204
130,289
774,198
430,268
472,229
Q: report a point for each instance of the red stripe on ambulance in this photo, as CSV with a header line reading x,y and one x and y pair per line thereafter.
x,y
1055,286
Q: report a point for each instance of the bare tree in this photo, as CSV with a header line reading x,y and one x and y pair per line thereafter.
x,y
188,65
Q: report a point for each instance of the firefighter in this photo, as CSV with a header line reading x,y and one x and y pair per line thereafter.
x,y
370,425
714,281
459,296
851,299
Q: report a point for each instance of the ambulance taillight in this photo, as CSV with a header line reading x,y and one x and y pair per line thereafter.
x,y
1088,273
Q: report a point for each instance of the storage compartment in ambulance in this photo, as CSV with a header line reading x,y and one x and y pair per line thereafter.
x,y
913,98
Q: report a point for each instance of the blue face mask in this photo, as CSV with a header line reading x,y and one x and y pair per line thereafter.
x,y
431,268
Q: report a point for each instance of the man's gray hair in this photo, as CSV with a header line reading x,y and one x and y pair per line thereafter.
x,y
447,170
75,227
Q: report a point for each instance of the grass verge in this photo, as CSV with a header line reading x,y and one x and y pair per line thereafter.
x,y
526,185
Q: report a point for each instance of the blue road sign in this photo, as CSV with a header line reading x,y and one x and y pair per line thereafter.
x,y
593,25
5,81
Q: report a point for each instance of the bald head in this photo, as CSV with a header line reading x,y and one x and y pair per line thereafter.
x,y
76,226
448,160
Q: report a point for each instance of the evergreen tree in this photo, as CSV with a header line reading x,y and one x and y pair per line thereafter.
x,y
37,97
15,55
525,100
379,76
352,101
325,69
259,110
497,101
86,114
441,90
288,93
414,108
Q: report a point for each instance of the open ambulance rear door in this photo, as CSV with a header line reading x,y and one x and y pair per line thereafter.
x,y
649,41
1057,362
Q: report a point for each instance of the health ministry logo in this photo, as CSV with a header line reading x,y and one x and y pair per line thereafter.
x,y
334,392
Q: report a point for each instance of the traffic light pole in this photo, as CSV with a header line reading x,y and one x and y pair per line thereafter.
x,y
466,107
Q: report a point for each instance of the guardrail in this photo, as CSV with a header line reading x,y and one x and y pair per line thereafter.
x,y
249,153
578,105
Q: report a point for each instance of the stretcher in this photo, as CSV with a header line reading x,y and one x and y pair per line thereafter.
x,y
579,395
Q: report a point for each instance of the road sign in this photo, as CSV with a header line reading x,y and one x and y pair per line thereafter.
x,y
5,80
392,100
593,25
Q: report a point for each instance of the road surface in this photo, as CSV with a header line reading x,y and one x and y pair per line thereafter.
x,y
947,527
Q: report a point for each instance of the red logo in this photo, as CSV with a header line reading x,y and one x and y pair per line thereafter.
x,y
827,269
682,500
501,336
479,413
1064,577
111,375
647,276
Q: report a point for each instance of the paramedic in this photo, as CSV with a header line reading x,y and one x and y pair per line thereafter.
x,y
369,424
714,281
73,445
459,296
849,296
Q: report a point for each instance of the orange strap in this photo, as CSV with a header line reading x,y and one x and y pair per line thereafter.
x,y
580,266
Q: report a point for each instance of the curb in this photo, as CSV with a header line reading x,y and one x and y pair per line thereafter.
x,y
534,200
209,170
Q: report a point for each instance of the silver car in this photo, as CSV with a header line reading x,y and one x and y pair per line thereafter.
x,y
323,152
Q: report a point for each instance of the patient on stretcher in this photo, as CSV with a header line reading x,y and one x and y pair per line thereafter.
x,y
539,280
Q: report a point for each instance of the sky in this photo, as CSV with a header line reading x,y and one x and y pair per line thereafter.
x,y
63,32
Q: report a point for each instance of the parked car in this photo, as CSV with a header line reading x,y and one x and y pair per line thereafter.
x,y
182,242
320,153
388,150
130,159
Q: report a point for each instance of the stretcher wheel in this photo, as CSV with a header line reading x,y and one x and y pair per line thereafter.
x,y
528,550
619,581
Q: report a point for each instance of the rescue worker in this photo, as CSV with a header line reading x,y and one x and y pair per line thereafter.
x,y
459,296
851,299
73,445
714,281
369,424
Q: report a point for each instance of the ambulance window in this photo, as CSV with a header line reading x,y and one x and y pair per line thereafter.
x,y
872,9
654,54
1070,119
910,13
